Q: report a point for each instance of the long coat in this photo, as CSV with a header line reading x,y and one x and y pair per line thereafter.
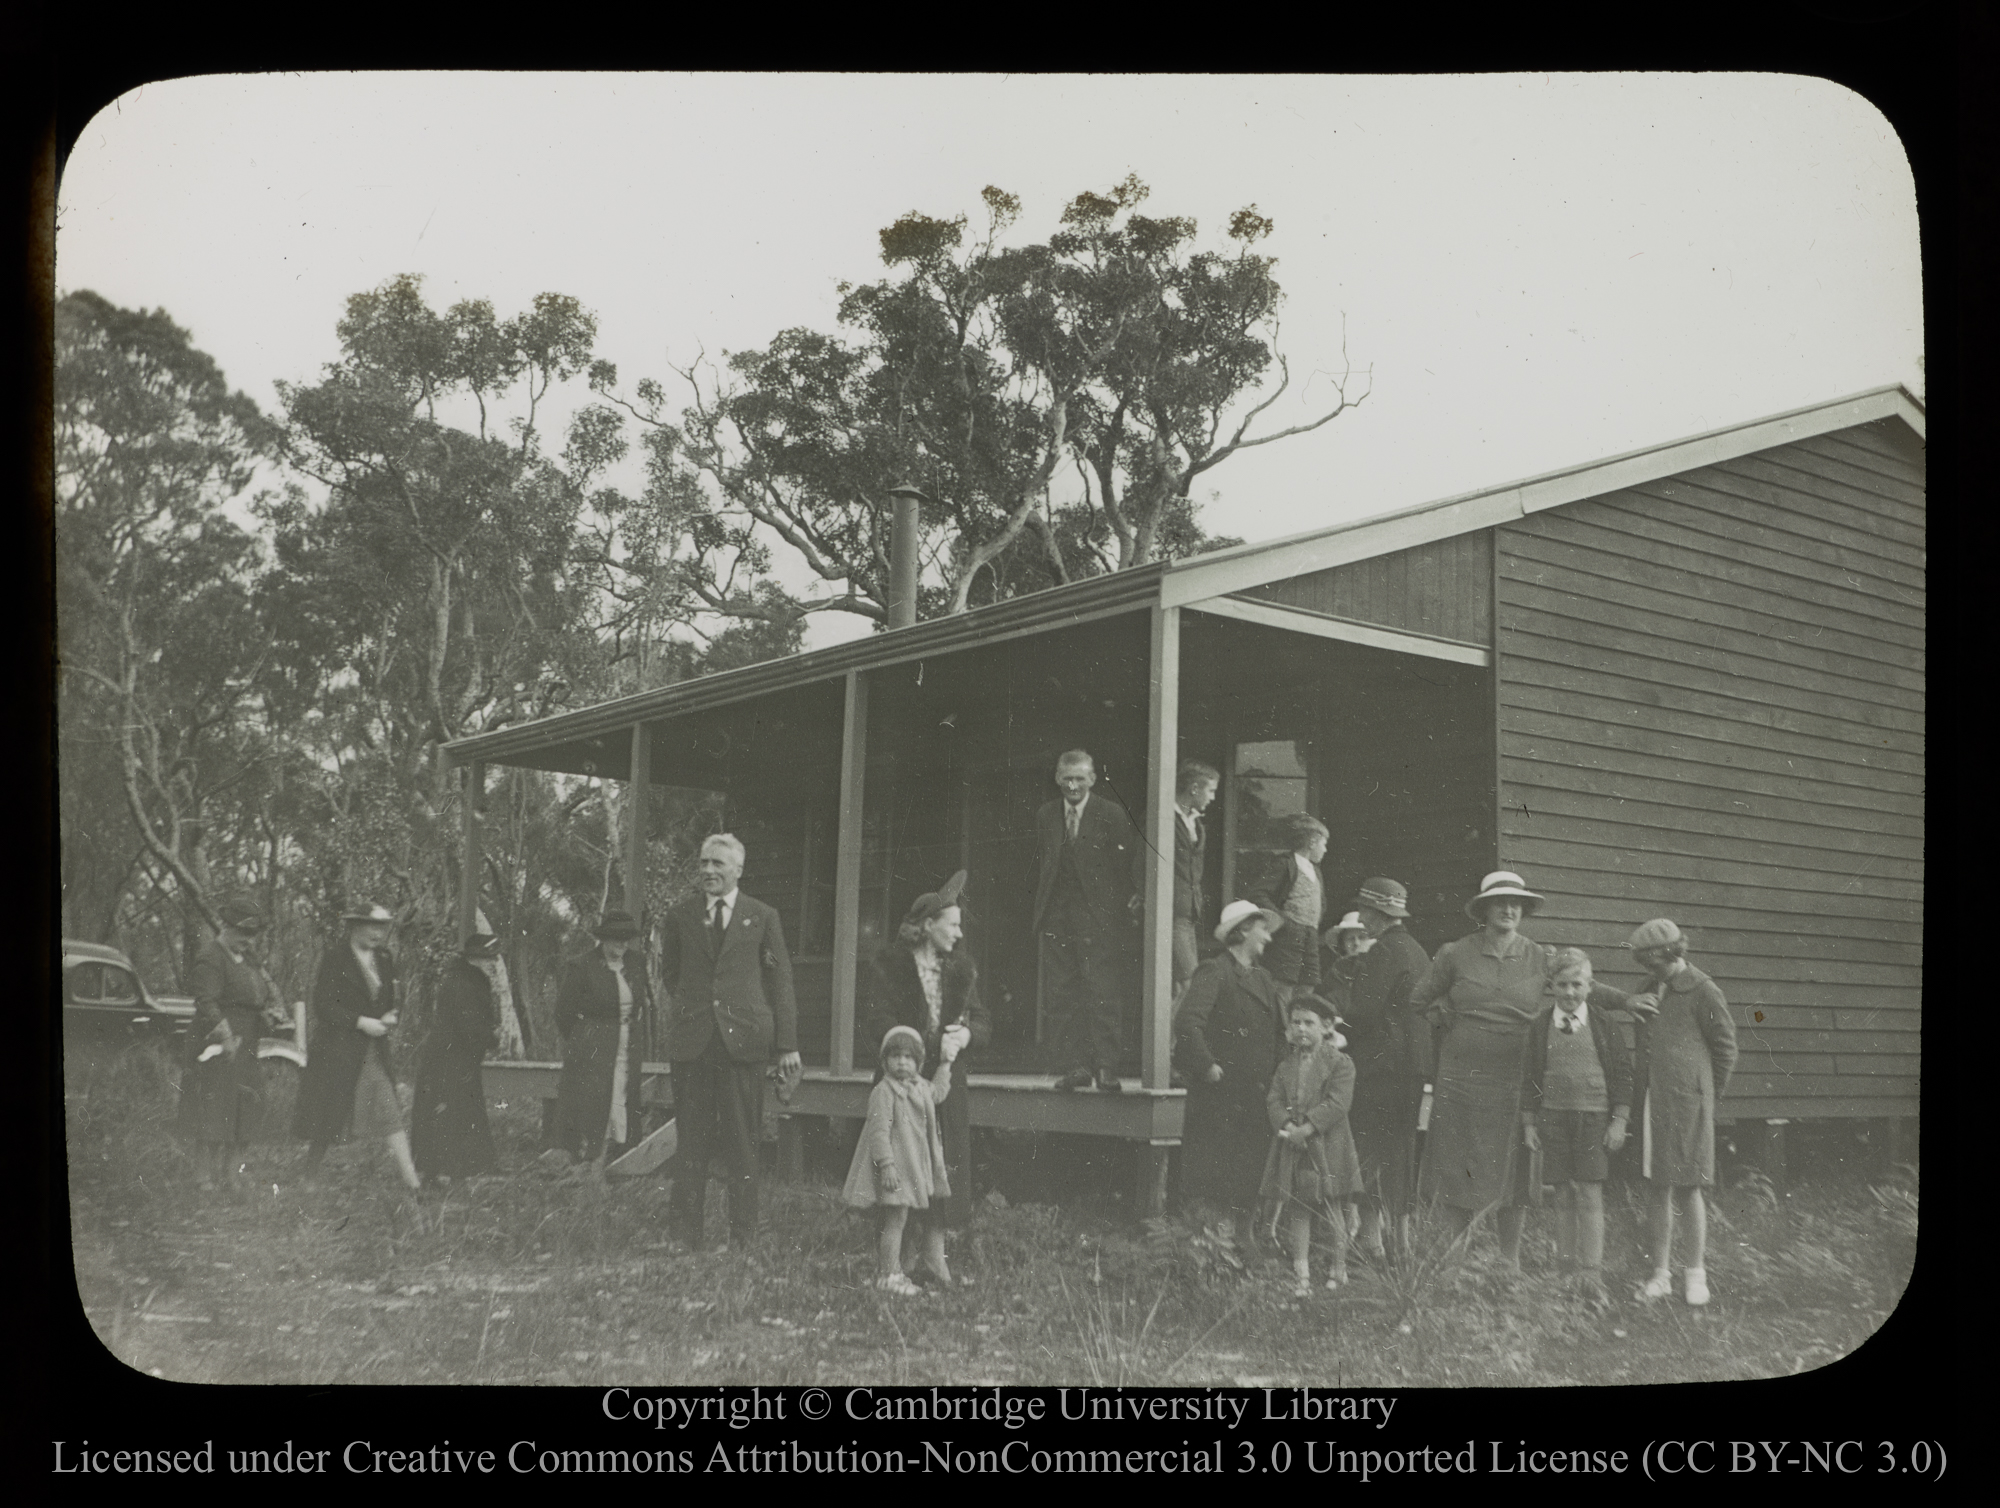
x,y
744,992
1293,956
222,1100
1229,1016
1107,854
448,1130
587,1017
892,994
336,1046
1316,1090
1685,1057
1390,1043
1190,865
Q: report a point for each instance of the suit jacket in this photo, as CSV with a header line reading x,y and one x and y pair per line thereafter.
x,y
1107,852
1293,957
336,1047
1614,1057
745,991
1190,864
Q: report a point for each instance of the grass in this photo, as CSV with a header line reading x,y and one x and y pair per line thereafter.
x,y
533,1277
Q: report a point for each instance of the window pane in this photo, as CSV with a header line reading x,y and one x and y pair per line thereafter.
x,y
1281,756
120,988
81,983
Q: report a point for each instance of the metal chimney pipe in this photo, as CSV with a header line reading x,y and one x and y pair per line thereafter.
x,y
902,602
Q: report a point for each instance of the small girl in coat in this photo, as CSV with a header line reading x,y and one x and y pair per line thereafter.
x,y
899,1164
1312,1170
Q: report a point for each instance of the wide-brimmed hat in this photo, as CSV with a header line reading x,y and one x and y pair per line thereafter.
x,y
934,903
1385,895
481,945
368,912
240,915
1502,884
1237,912
1348,923
1656,933
616,926
905,1034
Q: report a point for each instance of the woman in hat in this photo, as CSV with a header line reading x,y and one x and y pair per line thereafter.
x,y
603,1008
449,1137
1230,1034
1391,1047
349,1082
1687,1053
924,980
222,1088
1482,992
1343,943
1296,892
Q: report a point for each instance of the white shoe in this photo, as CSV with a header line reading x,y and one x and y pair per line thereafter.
x,y
1697,1286
1658,1286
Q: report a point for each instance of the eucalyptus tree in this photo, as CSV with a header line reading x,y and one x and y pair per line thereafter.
x,y
1056,401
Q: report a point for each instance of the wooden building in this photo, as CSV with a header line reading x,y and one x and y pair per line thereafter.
x,y
1688,681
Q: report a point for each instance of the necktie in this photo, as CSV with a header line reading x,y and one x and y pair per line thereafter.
x,y
718,924
1069,817
1566,1022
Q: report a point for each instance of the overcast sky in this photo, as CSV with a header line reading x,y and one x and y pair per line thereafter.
x,y
1541,270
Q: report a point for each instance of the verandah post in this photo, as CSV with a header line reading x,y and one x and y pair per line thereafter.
x,y
1163,755
847,869
470,794
635,832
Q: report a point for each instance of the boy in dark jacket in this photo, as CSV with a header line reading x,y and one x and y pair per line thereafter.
x,y
1576,1097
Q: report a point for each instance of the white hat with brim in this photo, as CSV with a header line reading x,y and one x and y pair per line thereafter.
x,y
370,913
1238,912
1349,923
1501,885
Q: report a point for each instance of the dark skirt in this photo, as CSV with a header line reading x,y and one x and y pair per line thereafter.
x,y
1475,1115
954,1117
1224,1142
583,1094
222,1100
448,1130
1383,1119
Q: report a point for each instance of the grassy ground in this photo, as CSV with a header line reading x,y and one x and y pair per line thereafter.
x,y
538,1278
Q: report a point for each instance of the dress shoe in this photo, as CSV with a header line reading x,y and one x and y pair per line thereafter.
x,y
1076,1078
1109,1082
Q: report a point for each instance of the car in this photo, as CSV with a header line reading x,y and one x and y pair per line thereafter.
x,y
103,997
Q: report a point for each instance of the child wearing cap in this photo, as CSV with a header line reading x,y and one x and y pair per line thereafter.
x,y
1576,1097
1312,1172
899,1162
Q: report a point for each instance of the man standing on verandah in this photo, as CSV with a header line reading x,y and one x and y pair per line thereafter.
x,y
1083,907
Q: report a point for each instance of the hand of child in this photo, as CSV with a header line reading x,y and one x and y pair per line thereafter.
x,y
1531,1138
1614,1134
1215,1073
1645,1007
886,1176
372,1027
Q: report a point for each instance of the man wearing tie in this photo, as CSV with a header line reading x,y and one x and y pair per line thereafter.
x,y
1194,788
724,963
1083,905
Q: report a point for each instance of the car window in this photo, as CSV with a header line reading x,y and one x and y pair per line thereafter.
x,y
120,988
83,983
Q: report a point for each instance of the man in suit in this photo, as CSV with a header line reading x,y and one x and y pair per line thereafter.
x,y
1194,788
724,965
1083,910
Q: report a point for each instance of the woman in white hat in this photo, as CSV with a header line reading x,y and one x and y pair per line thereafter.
x,y
1230,1035
1344,943
349,1082
1481,993
1686,1056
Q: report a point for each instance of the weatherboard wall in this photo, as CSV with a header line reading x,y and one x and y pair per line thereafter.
x,y
1711,707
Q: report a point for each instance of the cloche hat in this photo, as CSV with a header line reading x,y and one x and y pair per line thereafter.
x,y
1237,912
616,926
368,912
1502,884
934,903
1384,895
1656,933
1348,923
907,1036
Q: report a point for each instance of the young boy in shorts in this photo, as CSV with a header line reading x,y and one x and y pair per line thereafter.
x,y
1576,1097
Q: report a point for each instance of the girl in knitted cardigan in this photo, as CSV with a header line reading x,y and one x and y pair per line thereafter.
x,y
899,1163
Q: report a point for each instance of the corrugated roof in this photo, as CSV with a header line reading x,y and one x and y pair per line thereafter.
x,y
1216,574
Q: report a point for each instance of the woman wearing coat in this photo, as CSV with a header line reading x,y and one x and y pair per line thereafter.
x,y
604,1012
1481,993
449,1137
222,1088
924,980
349,1082
1230,1033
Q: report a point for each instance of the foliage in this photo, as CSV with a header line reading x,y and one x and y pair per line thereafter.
x,y
1115,355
